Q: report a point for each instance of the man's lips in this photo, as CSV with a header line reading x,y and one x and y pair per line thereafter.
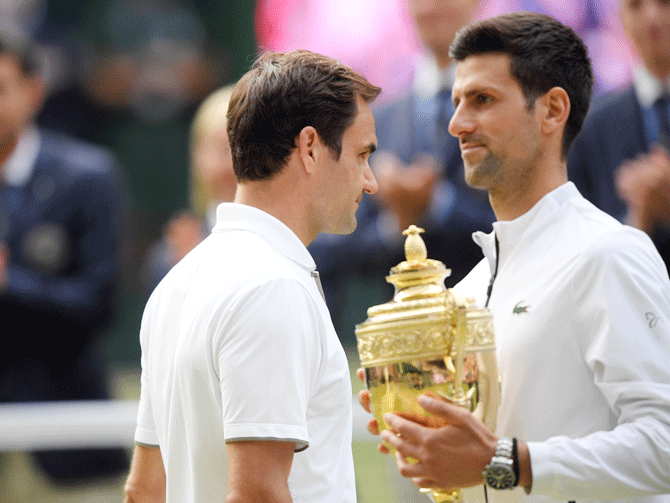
x,y
467,147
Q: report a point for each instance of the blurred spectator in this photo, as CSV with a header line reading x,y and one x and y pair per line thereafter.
x,y
27,14
419,170
212,176
374,36
212,182
378,37
621,159
595,21
59,223
138,69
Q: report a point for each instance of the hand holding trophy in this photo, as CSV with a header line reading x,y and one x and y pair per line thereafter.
x,y
428,340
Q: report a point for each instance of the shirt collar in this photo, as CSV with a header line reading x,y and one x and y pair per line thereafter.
x,y
19,166
647,87
511,233
429,78
235,216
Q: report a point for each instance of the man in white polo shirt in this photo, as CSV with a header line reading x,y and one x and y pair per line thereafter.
x,y
245,386
580,302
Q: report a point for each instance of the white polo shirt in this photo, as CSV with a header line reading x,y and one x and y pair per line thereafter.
x,y
581,310
237,343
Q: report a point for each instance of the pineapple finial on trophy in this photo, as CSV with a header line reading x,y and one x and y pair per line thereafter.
x,y
415,248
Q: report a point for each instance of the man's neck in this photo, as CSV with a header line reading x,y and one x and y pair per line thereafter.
x,y
513,202
272,198
8,145
443,61
659,69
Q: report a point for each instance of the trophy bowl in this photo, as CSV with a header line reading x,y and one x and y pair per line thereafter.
x,y
428,339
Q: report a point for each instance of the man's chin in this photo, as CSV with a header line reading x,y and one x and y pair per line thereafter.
x,y
343,230
472,181
475,179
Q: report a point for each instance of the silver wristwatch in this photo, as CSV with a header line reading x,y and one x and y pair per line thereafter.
x,y
500,472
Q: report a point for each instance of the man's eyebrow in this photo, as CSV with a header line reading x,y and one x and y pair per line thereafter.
x,y
472,92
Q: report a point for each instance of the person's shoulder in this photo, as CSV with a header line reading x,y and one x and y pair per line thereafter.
x,y
390,109
75,156
604,238
249,268
610,123
587,223
250,254
625,241
603,107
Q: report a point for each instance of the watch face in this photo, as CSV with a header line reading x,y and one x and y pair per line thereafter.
x,y
499,476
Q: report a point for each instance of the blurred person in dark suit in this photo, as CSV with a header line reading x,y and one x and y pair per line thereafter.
x,y
59,226
621,159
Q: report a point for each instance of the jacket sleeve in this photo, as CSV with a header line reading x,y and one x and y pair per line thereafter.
x,y
621,309
82,292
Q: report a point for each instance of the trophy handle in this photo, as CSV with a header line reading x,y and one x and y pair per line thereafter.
x,y
489,389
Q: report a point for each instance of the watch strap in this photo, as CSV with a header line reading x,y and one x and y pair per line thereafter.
x,y
515,461
503,460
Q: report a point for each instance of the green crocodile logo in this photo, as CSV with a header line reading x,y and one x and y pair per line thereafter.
x,y
520,309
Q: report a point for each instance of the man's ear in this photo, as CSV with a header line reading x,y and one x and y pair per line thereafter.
x,y
555,109
309,147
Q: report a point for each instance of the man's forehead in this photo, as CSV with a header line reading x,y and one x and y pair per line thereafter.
x,y
362,128
632,5
490,69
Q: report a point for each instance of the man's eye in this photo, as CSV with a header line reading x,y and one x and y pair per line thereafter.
x,y
482,99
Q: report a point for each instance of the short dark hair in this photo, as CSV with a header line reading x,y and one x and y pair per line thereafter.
x,y
544,54
282,94
17,43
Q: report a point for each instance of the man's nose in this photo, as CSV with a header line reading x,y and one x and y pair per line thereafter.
x,y
371,185
460,123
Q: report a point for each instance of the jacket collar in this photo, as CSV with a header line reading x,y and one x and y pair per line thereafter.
x,y
511,233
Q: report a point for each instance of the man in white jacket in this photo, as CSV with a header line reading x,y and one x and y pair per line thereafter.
x,y
580,302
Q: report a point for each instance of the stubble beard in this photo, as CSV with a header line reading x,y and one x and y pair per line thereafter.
x,y
343,227
350,225
480,175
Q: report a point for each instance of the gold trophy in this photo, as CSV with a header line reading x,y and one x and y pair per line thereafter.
x,y
428,338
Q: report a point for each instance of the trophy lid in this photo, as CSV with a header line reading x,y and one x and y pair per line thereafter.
x,y
416,322
423,318
416,275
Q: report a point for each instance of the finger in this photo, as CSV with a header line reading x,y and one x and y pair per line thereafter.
x,y
424,482
404,448
660,155
373,427
410,470
383,449
406,428
361,374
452,414
423,419
364,399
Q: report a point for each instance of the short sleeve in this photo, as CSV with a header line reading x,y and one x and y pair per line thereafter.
x,y
145,432
268,351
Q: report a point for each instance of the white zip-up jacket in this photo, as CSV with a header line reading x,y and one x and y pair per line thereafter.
x,y
581,310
